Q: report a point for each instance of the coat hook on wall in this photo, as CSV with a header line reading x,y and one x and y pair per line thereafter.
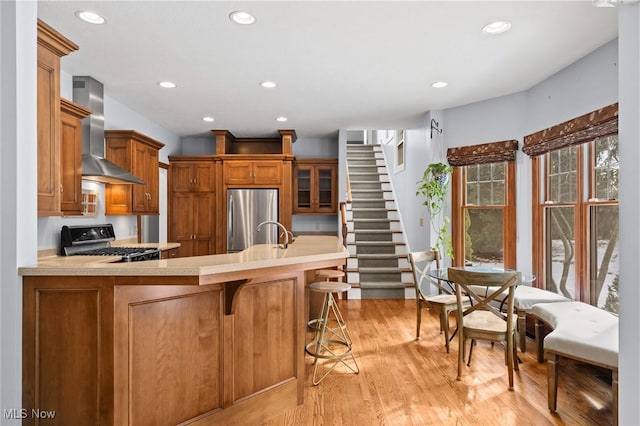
x,y
434,126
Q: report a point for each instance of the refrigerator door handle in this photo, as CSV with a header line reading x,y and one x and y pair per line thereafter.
x,y
230,225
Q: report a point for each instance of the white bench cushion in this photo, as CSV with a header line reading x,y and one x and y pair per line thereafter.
x,y
581,331
525,297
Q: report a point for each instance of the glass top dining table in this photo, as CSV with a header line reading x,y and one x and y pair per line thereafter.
x,y
442,273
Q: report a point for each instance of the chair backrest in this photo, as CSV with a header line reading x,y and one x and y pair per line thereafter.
x,y
421,263
484,287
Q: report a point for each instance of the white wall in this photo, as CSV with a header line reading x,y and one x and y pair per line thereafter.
x,y
420,151
18,193
584,86
629,135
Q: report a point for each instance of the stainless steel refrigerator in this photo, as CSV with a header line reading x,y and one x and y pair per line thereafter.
x,y
246,208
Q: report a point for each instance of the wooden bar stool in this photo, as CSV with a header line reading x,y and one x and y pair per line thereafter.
x,y
331,340
331,274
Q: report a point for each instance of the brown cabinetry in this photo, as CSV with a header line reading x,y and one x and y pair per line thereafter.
x,y
196,176
315,186
260,172
51,47
192,223
192,205
137,154
71,116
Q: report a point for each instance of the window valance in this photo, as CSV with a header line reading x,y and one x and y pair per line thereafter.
x,y
596,124
492,152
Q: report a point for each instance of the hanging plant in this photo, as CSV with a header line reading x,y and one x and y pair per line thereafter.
x,y
433,187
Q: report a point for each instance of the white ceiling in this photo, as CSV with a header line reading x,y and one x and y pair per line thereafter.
x,y
344,64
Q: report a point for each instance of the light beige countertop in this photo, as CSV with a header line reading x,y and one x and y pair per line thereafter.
x,y
304,249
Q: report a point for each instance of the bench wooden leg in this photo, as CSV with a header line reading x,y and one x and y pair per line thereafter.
x,y
614,385
522,330
540,339
552,381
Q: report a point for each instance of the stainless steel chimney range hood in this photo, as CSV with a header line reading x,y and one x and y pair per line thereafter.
x,y
89,93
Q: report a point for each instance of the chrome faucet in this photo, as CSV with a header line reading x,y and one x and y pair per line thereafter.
x,y
284,231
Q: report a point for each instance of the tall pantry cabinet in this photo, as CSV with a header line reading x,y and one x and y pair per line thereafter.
x,y
192,204
51,47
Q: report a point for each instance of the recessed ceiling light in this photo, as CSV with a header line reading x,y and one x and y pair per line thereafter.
x,y
167,84
497,27
242,18
605,3
207,119
90,17
439,84
268,84
281,119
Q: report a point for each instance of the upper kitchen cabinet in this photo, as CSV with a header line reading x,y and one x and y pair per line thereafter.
x,y
315,186
191,174
137,154
51,47
71,116
253,172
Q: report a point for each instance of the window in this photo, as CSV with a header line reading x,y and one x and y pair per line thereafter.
x,y
575,212
400,154
483,208
89,203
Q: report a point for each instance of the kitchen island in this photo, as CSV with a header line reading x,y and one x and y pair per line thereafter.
x,y
202,340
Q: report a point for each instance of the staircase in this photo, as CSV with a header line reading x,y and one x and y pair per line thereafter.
x,y
378,261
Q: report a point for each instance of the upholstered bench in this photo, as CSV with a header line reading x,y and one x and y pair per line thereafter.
x,y
581,332
524,299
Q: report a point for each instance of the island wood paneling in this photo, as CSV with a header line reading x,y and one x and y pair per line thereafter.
x,y
67,325
204,348
264,329
175,359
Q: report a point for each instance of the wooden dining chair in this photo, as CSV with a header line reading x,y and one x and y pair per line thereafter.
x,y
443,302
483,319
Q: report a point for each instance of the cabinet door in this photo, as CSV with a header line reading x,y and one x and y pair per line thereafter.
x,y
302,195
267,172
203,177
181,177
71,164
192,176
181,223
118,197
152,180
139,168
238,172
203,208
325,189
48,133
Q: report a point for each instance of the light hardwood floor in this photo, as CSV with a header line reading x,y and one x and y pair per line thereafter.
x,y
404,381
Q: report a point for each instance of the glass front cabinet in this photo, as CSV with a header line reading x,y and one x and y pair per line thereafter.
x,y
315,186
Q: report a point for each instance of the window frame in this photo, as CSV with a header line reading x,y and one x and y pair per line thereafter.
x,y
400,151
459,206
581,132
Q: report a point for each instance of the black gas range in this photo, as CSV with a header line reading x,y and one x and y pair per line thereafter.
x,y
95,240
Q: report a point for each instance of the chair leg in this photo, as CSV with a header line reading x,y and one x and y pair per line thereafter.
x,y
473,342
418,318
445,318
461,345
552,381
515,354
510,348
